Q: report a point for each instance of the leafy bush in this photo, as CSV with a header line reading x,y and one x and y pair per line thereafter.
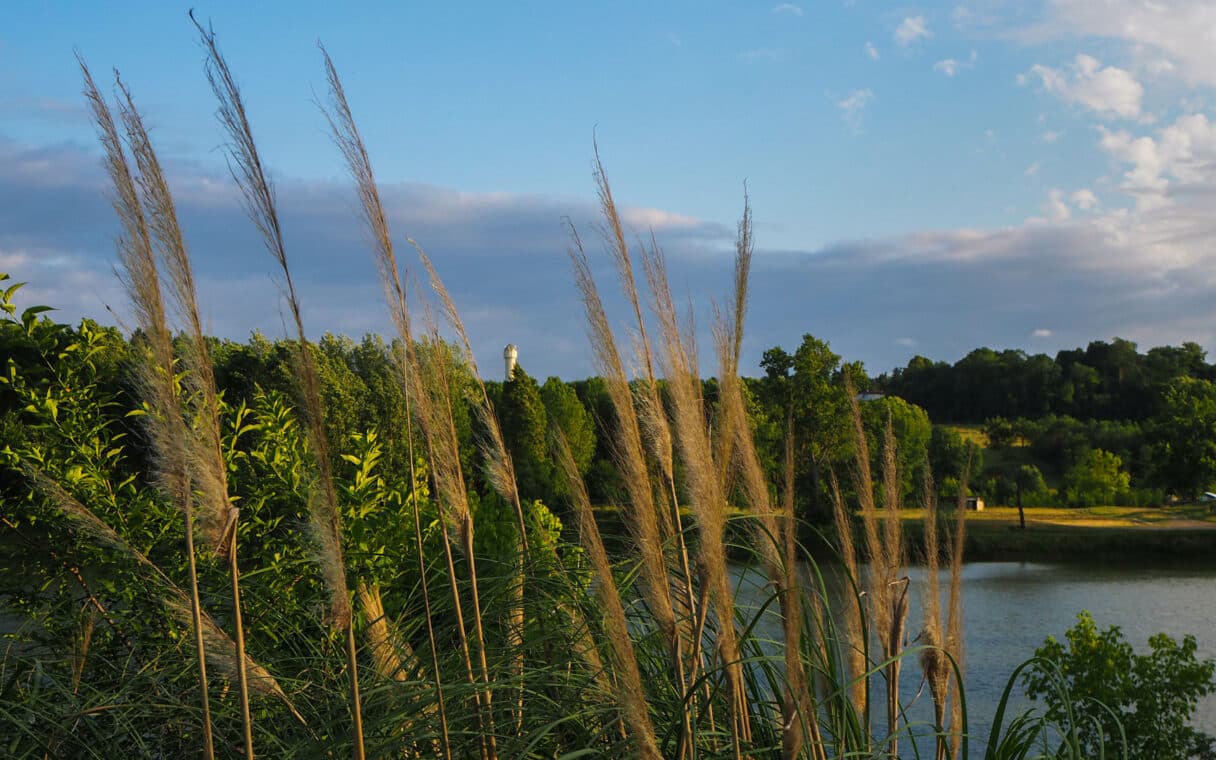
x,y
1147,698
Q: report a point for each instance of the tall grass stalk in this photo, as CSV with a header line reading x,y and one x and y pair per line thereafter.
x,y
629,454
631,694
653,429
430,381
499,471
346,135
768,528
677,358
203,444
157,374
247,169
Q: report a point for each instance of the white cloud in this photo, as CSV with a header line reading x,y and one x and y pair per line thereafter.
x,y
852,105
1084,199
788,8
872,51
1051,136
1109,91
951,66
912,28
1041,332
1177,37
1032,170
1180,159
947,66
906,342
1057,210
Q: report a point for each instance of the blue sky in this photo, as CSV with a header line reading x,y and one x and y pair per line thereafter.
x,y
925,177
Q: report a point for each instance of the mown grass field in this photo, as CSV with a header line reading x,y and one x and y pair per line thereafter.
x,y
1119,535
1185,517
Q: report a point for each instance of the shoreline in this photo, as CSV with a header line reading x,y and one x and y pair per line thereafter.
x,y
992,537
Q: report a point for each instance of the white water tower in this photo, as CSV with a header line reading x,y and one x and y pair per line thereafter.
x,y
509,355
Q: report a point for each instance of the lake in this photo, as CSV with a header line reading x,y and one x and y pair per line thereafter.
x,y
1009,608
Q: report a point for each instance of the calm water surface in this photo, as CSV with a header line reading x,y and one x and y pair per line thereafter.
x,y
1009,608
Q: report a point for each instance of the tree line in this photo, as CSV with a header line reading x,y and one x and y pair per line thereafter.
x,y
1104,424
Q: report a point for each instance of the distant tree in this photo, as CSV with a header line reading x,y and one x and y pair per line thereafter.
x,y
1030,487
1182,450
820,416
947,453
602,476
912,430
569,415
1097,479
1001,432
525,430
1059,442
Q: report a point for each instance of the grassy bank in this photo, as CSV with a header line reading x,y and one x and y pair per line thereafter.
x,y
1119,535
1103,534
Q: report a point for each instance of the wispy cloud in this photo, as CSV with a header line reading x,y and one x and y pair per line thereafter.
x,y
912,28
789,9
1057,210
852,105
947,66
872,51
1084,199
951,66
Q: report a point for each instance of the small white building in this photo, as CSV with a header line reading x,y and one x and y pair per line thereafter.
x,y
975,504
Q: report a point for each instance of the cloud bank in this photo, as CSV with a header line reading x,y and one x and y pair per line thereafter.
x,y
1090,269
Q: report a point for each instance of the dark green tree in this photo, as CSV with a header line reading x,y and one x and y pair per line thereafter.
x,y
525,426
818,412
569,415
1182,451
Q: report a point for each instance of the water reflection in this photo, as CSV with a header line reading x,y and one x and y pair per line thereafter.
x,y
1009,608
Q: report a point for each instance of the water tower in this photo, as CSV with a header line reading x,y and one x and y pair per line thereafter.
x,y
509,355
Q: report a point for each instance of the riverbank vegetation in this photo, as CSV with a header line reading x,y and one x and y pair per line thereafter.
x,y
301,549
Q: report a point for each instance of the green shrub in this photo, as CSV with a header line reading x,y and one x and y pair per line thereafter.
x,y
1148,698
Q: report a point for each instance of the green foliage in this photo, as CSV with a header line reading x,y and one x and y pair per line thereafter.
x,y
807,389
568,414
1031,485
1183,448
1001,432
1149,698
1097,479
912,434
525,428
